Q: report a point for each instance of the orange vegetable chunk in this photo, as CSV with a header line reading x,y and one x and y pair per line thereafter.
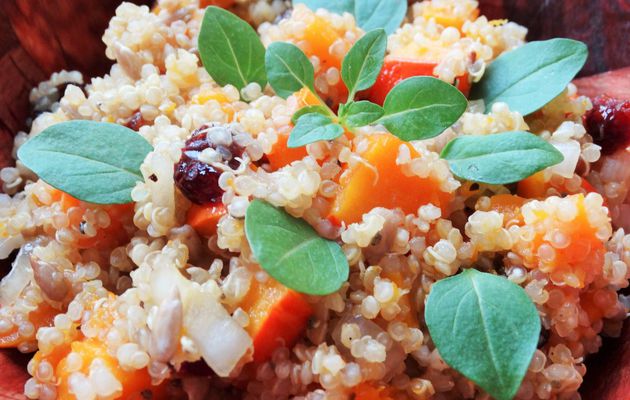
x,y
204,219
42,316
277,316
383,184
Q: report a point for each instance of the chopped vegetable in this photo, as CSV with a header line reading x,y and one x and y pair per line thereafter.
x,y
41,316
398,69
105,238
510,206
567,238
372,391
218,3
379,182
204,219
537,187
277,316
282,155
134,384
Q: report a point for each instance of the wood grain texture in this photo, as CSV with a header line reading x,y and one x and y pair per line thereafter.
x,y
603,24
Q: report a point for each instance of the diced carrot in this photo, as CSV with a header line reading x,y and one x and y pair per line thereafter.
x,y
510,206
533,187
204,219
281,155
109,237
536,187
42,316
396,69
136,384
203,98
277,316
566,248
379,182
445,16
218,3
320,35
306,98
372,391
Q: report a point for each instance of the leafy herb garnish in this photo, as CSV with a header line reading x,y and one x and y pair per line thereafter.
x,y
369,14
485,327
312,128
360,113
288,69
422,107
364,61
499,158
417,108
531,76
292,252
317,109
231,50
97,162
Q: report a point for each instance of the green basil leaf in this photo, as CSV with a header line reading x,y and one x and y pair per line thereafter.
x,y
500,158
97,162
309,110
231,50
335,6
485,327
361,113
292,252
311,128
364,61
386,14
422,107
369,14
288,69
531,76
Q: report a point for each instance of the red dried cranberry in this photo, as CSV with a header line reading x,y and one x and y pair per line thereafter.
x,y
136,121
199,181
609,123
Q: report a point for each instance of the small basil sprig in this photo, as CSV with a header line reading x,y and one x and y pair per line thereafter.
x,y
312,128
230,49
500,158
422,107
531,76
364,61
292,252
97,162
485,327
417,108
360,113
288,69
369,14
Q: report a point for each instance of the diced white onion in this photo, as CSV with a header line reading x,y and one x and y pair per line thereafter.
x,y
16,280
570,149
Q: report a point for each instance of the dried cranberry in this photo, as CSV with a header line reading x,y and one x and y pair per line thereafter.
x,y
136,121
197,180
609,123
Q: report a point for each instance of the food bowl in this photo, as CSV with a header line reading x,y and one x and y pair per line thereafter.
x,y
38,38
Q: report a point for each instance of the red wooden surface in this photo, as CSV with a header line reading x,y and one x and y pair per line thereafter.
x,y
603,24
38,37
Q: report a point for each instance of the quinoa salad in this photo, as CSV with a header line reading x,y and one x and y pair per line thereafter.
x,y
317,199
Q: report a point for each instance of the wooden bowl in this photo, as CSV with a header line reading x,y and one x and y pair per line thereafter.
x,y
38,37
